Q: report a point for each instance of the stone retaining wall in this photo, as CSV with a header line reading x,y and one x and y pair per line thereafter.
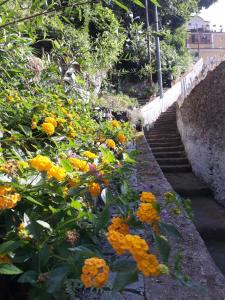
x,y
201,123
151,111
197,263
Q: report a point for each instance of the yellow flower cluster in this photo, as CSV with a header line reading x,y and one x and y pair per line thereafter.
x,y
147,213
57,172
147,197
5,259
49,125
115,123
72,132
48,128
23,232
33,125
89,154
10,98
7,199
121,137
51,121
79,164
119,225
41,163
110,144
95,272
94,189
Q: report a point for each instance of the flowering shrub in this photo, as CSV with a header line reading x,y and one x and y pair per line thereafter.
x,y
61,173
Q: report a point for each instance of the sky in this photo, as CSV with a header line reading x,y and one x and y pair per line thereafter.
x,y
215,13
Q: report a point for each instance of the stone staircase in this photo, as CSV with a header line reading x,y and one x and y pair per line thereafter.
x,y
209,216
166,144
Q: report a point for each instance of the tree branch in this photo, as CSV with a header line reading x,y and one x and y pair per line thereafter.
x,y
39,14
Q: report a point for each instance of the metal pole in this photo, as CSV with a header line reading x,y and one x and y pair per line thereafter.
x,y
148,39
158,55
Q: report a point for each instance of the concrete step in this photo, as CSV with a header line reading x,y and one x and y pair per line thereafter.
x,y
167,149
216,249
176,169
188,185
181,154
174,161
209,217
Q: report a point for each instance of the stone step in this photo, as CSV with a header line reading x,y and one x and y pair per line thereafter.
x,y
167,149
163,132
170,154
176,169
164,143
160,139
174,161
161,136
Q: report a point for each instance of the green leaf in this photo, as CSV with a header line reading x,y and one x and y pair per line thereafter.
x,y
33,200
66,165
85,250
128,159
121,5
103,219
163,246
9,269
28,277
169,229
107,155
139,3
76,205
124,278
122,265
44,224
155,2
9,246
56,278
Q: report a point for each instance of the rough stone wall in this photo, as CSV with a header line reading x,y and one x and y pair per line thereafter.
x,y
201,122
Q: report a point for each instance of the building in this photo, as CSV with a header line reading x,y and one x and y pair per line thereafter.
x,y
205,40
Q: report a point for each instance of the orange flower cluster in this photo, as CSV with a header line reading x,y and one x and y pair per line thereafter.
x,y
122,242
79,164
7,198
5,259
147,197
95,272
94,189
147,211
119,225
121,137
